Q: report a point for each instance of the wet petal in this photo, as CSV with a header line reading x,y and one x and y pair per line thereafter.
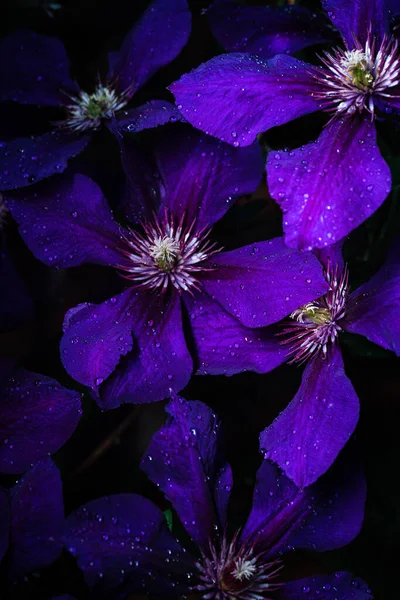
x,y
237,96
263,283
307,436
374,308
267,30
354,19
202,177
25,161
185,460
4,521
95,338
122,541
224,346
37,416
329,187
37,518
155,40
150,115
327,587
67,222
160,361
324,516
34,69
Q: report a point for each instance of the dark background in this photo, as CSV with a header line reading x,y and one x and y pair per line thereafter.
x,y
103,455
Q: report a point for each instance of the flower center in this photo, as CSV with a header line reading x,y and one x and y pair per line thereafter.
x,y
86,111
230,571
167,254
353,80
317,324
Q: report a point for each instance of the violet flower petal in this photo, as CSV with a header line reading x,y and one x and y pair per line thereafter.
x,y
155,40
326,587
223,346
25,161
37,518
111,538
67,222
160,361
262,283
323,517
373,310
185,460
237,96
267,30
34,69
4,521
354,19
329,187
95,338
150,115
307,436
37,416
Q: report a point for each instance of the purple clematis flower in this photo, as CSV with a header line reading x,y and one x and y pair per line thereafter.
x,y
331,185
122,542
34,69
136,346
307,437
37,416
32,520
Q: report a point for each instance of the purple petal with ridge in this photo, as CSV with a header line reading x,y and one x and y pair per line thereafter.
x,y
327,587
354,19
95,338
373,310
37,518
323,517
34,69
4,521
67,222
37,416
223,346
267,30
160,361
122,541
156,39
237,96
307,436
185,460
262,283
329,187
25,161
150,115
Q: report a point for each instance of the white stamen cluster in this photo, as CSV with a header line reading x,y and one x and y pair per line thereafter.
x,y
234,572
354,80
86,111
166,254
317,324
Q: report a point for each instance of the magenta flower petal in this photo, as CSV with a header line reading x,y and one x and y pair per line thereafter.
x,y
4,521
67,222
25,161
184,459
155,40
308,435
34,69
223,346
354,19
267,30
263,283
160,361
37,518
111,537
37,416
95,338
329,187
327,587
237,96
374,308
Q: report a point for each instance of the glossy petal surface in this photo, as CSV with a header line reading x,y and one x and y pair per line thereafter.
x,y
327,587
150,115
329,187
354,19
